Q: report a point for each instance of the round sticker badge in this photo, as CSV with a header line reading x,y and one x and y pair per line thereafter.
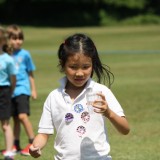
x,y
81,130
85,117
78,108
69,117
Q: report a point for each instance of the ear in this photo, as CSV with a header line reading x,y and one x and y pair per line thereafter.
x,y
61,65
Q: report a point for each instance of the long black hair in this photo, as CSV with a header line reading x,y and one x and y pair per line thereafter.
x,y
81,43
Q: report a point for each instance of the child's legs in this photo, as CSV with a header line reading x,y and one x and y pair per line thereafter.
x,y
16,128
5,114
21,112
8,134
23,117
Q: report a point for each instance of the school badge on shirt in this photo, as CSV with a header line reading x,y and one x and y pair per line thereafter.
x,y
69,117
78,108
81,130
85,116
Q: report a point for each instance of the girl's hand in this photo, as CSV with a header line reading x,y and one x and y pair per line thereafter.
x,y
120,122
34,151
100,105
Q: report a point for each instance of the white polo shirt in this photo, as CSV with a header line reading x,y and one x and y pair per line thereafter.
x,y
77,138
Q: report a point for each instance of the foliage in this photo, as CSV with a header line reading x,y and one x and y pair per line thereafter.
x,y
127,3
2,1
62,13
142,19
106,19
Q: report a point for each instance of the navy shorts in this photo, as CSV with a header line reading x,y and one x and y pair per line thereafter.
x,y
5,102
20,104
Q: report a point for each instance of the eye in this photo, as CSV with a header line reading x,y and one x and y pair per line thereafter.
x,y
73,67
86,66
14,38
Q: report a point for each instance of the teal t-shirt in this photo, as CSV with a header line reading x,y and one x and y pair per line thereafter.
x,y
24,65
7,68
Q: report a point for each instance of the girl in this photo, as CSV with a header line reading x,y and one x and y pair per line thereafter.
x,y
81,134
7,84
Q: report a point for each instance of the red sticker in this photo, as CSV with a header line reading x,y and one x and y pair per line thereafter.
x,y
81,130
85,117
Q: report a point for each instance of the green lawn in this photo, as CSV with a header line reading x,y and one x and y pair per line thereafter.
x,y
136,86
106,38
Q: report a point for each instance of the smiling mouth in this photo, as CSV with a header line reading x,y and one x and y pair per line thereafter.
x,y
79,80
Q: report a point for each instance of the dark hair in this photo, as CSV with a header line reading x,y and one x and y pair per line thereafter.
x,y
8,48
14,31
80,43
4,37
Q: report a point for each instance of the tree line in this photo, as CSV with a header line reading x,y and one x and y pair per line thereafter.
x,y
71,13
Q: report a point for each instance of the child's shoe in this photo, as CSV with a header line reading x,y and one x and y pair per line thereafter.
x,y
8,158
9,155
25,151
14,150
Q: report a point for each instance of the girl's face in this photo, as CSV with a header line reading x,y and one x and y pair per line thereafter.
x,y
78,69
16,42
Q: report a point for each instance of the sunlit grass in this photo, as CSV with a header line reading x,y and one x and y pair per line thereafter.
x,y
136,86
106,38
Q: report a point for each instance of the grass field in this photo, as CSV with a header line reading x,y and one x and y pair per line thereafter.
x,y
136,86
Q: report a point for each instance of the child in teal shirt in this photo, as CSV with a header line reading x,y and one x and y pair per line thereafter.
x,y
7,84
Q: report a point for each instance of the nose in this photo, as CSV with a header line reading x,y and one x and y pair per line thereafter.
x,y
79,73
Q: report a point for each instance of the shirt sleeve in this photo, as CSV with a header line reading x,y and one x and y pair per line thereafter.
x,y
29,63
46,122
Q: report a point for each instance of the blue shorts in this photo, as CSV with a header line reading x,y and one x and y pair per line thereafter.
x,y
20,104
5,102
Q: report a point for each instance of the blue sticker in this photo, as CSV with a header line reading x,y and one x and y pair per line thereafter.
x,y
78,108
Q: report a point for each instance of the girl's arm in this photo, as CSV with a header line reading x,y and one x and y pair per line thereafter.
x,y
13,82
39,142
33,86
119,122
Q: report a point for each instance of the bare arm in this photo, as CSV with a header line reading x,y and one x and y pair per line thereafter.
x,y
39,142
120,123
33,86
13,82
